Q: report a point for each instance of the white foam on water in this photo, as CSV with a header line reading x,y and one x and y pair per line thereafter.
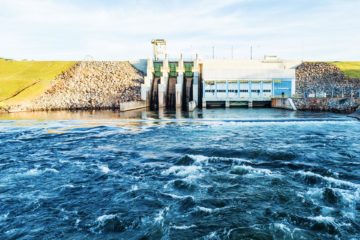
x,y
104,168
182,171
134,188
327,210
204,209
3,217
199,158
322,219
176,196
212,236
183,227
105,217
32,172
77,222
335,181
159,218
250,169
282,227
36,171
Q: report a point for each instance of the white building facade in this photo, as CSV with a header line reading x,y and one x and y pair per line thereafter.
x,y
247,80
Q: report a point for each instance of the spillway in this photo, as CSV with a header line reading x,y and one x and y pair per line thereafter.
x,y
187,92
171,94
154,95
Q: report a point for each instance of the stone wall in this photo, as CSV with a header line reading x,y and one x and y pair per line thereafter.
x,y
340,105
324,79
91,85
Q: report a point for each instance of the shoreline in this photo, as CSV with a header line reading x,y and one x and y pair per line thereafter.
x,y
355,113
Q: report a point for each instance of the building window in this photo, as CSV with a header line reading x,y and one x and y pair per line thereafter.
x,y
244,90
267,91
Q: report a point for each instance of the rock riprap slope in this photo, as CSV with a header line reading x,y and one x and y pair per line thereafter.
x,y
91,85
319,78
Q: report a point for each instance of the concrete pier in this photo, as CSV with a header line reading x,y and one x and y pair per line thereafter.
x,y
227,104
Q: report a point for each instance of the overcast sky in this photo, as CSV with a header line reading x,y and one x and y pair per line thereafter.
x,y
118,30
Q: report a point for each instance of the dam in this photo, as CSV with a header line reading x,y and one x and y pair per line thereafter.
x,y
191,83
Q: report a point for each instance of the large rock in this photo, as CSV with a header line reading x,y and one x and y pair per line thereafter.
x,y
92,85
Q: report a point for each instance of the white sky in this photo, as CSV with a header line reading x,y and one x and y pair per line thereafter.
x,y
118,30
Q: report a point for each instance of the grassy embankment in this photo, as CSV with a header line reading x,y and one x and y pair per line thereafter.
x,y
351,69
22,81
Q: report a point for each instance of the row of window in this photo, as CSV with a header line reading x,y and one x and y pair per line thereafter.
x,y
236,91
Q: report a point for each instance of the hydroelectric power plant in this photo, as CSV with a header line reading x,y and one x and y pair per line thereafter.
x,y
190,83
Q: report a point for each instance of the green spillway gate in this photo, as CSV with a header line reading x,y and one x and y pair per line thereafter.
x,y
173,67
188,69
157,69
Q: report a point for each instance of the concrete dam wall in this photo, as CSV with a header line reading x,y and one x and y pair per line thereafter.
x,y
188,84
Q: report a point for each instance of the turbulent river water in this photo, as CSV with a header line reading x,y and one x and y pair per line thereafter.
x,y
212,174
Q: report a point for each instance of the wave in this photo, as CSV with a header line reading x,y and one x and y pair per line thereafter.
x,y
4,216
183,227
36,171
159,218
183,171
104,168
243,170
105,217
205,209
332,180
323,219
108,223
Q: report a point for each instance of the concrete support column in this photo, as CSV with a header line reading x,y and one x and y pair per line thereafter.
x,y
178,113
250,104
250,90
196,72
204,102
273,88
161,113
163,83
293,86
227,104
227,88
146,86
196,87
179,89
162,95
178,100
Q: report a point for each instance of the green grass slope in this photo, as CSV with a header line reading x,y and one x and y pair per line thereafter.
x,y
22,81
350,69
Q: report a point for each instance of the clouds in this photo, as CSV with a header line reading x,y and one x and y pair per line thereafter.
x,y
51,29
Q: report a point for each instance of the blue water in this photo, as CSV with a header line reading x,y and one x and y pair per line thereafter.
x,y
212,174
